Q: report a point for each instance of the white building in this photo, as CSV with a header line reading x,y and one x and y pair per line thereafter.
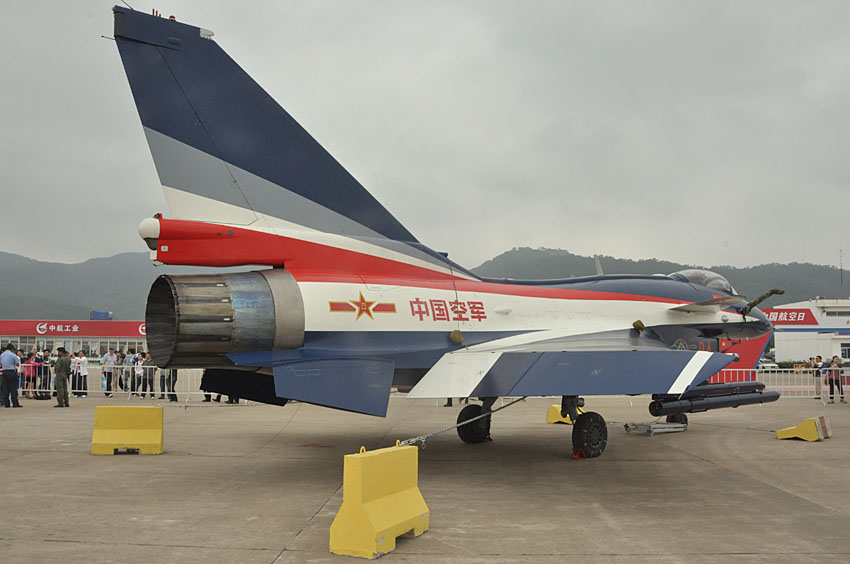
x,y
814,327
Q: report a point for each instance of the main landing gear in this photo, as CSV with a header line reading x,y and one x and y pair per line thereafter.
x,y
477,431
590,432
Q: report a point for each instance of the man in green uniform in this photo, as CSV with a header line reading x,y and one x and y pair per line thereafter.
x,y
62,369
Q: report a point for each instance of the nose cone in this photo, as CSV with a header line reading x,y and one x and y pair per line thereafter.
x,y
761,322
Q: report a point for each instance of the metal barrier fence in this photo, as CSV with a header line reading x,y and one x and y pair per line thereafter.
x,y
149,381
790,383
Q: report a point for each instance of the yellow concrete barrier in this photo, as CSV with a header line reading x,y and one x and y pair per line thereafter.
x,y
126,427
380,501
553,415
812,429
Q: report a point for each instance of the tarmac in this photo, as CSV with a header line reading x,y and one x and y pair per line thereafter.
x,y
257,483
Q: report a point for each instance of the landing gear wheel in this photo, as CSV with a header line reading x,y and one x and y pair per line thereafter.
x,y
590,435
476,432
678,418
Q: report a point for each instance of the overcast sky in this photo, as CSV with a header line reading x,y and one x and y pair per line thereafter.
x,y
700,132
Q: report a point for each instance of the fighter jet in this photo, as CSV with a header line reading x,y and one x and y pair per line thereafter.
x,y
347,304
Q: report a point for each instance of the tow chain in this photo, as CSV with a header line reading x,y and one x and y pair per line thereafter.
x,y
422,438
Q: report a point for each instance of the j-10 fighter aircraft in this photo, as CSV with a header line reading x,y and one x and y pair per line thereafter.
x,y
351,304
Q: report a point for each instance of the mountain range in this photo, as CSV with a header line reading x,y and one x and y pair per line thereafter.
x,y
33,289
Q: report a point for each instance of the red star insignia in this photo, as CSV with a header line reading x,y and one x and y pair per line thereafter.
x,y
363,306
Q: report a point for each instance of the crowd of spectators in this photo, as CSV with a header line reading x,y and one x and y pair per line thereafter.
x,y
827,373
39,375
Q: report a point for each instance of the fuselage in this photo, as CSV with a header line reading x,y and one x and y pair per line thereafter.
x,y
363,301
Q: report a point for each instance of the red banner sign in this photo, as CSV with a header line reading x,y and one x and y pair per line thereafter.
x,y
59,328
782,316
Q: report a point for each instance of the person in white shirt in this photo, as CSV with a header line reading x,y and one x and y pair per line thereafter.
x,y
129,378
83,368
9,362
75,375
816,373
143,375
108,362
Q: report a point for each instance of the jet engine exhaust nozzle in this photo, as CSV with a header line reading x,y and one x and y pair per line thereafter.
x,y
195,321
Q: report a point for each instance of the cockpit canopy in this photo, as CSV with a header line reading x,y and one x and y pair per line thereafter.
x,y
705,278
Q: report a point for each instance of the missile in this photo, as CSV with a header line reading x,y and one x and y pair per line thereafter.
x,y
707,402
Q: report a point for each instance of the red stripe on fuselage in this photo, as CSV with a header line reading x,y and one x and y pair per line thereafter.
x,y
195,243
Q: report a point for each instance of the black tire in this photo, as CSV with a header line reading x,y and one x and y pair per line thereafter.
x,y
475,432
590,434
678,418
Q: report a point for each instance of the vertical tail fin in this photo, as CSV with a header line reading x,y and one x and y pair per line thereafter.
x,y
225,151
